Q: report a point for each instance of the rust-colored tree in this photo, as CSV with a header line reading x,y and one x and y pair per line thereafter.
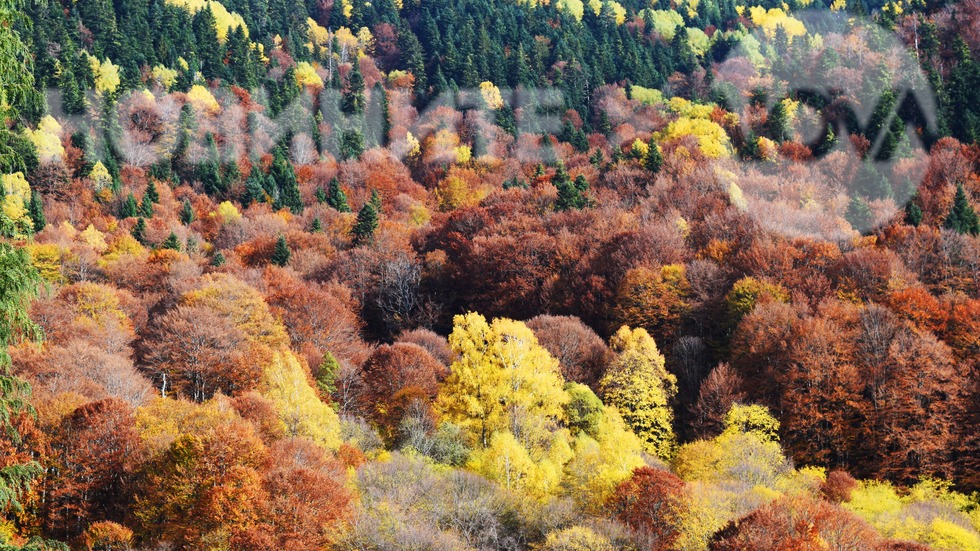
x,y
196,351
581,352
392,377
93,456
719,391
651,502
800,523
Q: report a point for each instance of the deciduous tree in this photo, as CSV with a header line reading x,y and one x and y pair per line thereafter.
x,y
638,384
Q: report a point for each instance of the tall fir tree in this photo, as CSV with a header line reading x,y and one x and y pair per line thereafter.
x,y
209,51
152,193
35,208
208,172
172,242
654,160
382,95
146,207
336,197
962,218
353,103
129,208
281,254
139,231
186,212
365,225
351,144
285,178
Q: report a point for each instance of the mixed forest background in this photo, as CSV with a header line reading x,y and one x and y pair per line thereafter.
x,y
463,332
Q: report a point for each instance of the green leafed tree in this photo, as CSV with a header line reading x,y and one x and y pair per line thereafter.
x,y
285,177
19,284
336,197
654,160
172,242
281,254
962,218
365,225
186,212
139,231
35,208
146,207
129,207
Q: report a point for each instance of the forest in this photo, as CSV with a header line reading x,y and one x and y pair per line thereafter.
x,y
543,275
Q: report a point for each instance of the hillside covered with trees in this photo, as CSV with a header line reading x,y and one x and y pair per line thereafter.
x,y
489,274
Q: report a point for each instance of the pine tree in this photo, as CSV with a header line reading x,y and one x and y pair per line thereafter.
x,y
241,59
35,208
654,160
146,207
777,124
208,47
139,231
152,193
316,226
129,208
354,94
208,171
580,141
336,197
254,191
218,259
351,144
385,114
172,242
570,194
285,178
414,58
281,254
597,159
320,195
326,375
186,212
72,99
913,214
962,218
366,224
859,214
376,201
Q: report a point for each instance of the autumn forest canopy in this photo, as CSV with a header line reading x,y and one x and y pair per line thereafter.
x,y
566,275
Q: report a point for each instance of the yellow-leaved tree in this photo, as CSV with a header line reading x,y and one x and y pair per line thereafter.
x,y
502,380
606,451
285,383
306,75
13,202
734,473
46,139
577,538
530,431
243,306
505,391
638,384
535,471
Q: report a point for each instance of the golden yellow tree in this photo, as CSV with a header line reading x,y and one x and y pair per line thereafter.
x,y
503,380
286,384
639,385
